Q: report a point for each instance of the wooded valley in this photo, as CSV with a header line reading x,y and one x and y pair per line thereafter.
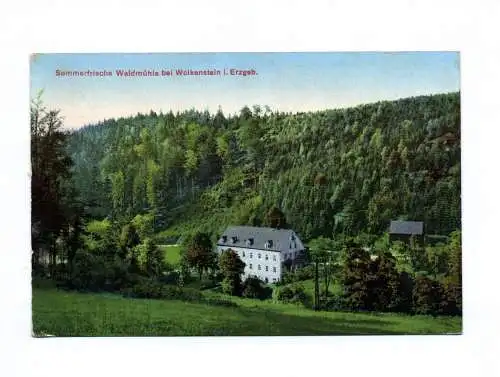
x,y
330,172
109,198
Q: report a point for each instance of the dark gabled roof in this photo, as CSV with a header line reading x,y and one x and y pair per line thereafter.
x,y
259,236
407,227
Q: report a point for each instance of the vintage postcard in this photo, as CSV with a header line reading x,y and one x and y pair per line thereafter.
x,y
241,194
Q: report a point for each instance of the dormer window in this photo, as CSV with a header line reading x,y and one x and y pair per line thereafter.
x,y
224,239
250,242
292,238
234,239
269,244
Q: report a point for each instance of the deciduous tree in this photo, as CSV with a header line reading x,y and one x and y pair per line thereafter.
x,y
231,267
199,253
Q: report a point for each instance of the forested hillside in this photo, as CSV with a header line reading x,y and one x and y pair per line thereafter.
x,y
336,171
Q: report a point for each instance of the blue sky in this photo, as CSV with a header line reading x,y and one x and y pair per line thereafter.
x,y
285,81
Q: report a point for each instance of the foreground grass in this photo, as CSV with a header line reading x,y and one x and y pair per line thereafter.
x,y
63,313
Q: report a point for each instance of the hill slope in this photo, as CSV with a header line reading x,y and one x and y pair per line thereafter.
x,y
350,170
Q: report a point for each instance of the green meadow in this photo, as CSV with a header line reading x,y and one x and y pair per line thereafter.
x,y
172,253
64,313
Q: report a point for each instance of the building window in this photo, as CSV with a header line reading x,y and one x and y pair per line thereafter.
x,y
267,280
267,268
274,280
243,254
250,265
267,257
274,258
251,255
259,255
274,269
258,267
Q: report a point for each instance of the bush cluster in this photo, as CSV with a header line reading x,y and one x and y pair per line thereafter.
x,y
436,298
301,274
374,284
153,289
253,287
294,293
99,273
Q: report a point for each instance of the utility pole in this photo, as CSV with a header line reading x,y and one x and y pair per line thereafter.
x,y
316,286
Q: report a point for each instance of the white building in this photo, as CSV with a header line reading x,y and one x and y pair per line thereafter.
x,y
263,250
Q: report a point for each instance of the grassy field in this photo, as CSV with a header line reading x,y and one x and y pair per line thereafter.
x,y
63,313
172,253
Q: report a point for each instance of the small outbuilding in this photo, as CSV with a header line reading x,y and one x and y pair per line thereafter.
x,y
405,230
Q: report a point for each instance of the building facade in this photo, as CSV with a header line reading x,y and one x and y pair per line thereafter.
x,y
265,251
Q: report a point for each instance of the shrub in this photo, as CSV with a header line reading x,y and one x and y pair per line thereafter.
x,y
427,296
451,303
405,290
231,268
61,272
150,258
291,294
144,224
305,273
85,274
231,286
207,284
42,283
288,277
253,287
383,283
99,273
129,239
199,253
356,278
171,277
187,294
335,303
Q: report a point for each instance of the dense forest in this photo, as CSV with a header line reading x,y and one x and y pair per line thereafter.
x,y
343,171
